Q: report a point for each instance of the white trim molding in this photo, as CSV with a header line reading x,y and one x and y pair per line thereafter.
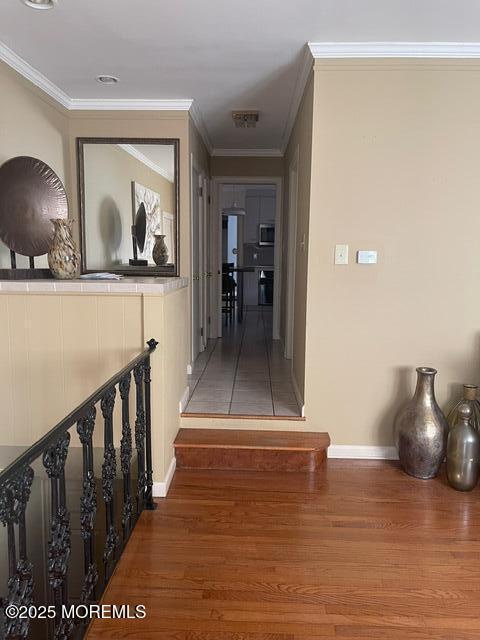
x,y
199,123
88,104
138,155
362,452
35,77
184,399
247,153
319,50
305,69
297,393
128,104
160,489
394,49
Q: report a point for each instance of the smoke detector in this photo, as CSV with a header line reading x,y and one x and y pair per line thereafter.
x,y
245,119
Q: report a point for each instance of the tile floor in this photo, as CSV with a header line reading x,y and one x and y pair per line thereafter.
x,y
243,373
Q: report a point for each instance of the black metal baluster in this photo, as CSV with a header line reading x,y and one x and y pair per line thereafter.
x,y
88,505
59,545
31,261
13,259
140,436
126,456
109,472
149,503
14,496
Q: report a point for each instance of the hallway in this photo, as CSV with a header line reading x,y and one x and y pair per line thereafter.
x,y
243,373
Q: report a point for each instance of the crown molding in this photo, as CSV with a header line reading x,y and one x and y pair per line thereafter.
x,y
247,153
86,104
138,155
26,70
306,65
200,125
128,104
394,49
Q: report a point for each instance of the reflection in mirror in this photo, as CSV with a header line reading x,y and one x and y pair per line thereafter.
x,y
129,205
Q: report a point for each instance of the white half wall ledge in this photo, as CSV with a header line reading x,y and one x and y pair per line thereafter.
x,y
362,452
160,489
394,49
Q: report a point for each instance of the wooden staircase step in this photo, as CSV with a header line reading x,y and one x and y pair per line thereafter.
x,y
250,450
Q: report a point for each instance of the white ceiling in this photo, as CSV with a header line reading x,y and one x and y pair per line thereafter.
x,y
225,55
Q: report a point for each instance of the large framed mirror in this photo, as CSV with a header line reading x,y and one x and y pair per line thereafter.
x,y
129,205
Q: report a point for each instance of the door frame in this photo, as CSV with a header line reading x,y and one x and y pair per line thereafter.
x,y
198,191
291,254
216,249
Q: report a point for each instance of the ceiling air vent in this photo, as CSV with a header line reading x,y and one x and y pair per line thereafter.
x,y
245,119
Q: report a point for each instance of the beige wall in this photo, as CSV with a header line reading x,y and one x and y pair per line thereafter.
x,y
56,349
395,168
109,172
140,124
31,125
166,318
249,166
300,143
198,149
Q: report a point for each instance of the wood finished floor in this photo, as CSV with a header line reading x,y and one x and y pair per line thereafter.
x,y
357,550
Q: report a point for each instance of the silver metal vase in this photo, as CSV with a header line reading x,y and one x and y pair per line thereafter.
x,y
421,430
463,451
470,392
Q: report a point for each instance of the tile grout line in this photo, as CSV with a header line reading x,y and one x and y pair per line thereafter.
x,y
268,363
238,360
203,371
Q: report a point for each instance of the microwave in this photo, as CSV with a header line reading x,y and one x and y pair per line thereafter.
x,y
266,235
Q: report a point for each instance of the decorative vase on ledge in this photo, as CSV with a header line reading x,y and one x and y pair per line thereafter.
x,y
421,430
63,256
160,251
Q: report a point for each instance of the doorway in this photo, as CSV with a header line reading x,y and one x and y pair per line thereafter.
x,y
199,252
243,370
257,270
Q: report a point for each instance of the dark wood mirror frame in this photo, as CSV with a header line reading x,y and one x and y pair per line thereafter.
x,y
151,270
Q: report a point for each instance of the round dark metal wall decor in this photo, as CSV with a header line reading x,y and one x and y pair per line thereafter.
x,y
31,194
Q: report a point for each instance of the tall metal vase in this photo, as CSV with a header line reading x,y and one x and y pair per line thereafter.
x,y
421,430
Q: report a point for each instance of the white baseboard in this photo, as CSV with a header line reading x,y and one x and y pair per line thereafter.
x,y
189,369
184,399
298,395
160,489
362,452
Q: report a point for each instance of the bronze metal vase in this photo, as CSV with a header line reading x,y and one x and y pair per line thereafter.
x,y
421,430
160,250
463,451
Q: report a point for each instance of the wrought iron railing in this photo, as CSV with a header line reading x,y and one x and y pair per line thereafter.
x,y
115,483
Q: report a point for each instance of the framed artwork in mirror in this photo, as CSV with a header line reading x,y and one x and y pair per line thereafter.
x,y
129,204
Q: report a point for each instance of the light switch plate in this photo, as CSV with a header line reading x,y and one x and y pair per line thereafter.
x,y
367,257
341,254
